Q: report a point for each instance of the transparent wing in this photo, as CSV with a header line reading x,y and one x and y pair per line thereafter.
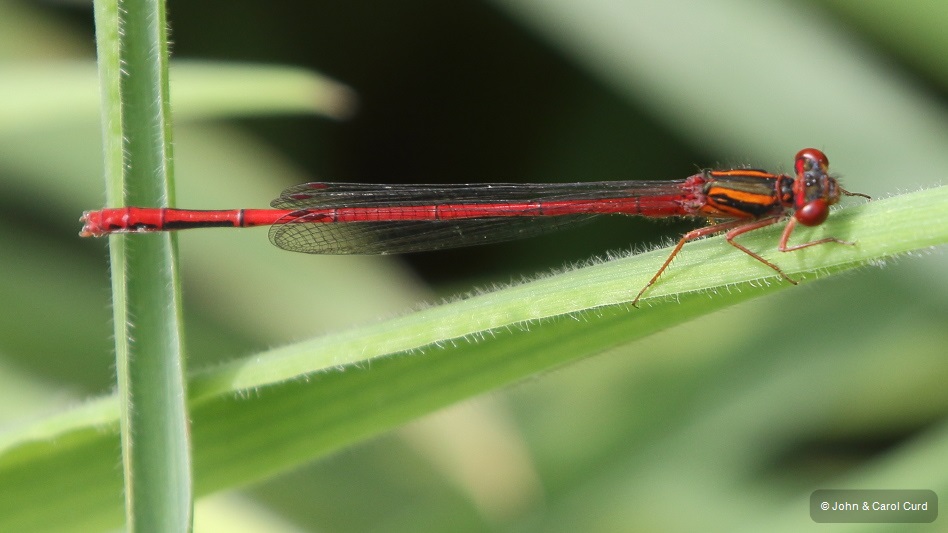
x,y
312,195
295,233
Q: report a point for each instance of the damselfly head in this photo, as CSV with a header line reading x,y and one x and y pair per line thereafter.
x,y
813,188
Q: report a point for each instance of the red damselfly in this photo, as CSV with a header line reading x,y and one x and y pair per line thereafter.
x,y
350,218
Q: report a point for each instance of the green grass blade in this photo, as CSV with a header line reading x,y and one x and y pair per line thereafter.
x,y
309,399
34,96
146,295
211,89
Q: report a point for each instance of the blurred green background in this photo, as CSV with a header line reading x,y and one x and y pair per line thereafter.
x,y
727,423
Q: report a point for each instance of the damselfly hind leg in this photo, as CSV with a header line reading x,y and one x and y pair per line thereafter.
x,y
690,236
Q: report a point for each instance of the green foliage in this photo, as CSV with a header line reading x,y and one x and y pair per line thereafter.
x,y
729,393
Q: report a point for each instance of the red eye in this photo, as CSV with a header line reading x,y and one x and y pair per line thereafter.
x,y
813,213
811,156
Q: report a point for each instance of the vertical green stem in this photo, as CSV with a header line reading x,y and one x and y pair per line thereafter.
x,y
133,67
